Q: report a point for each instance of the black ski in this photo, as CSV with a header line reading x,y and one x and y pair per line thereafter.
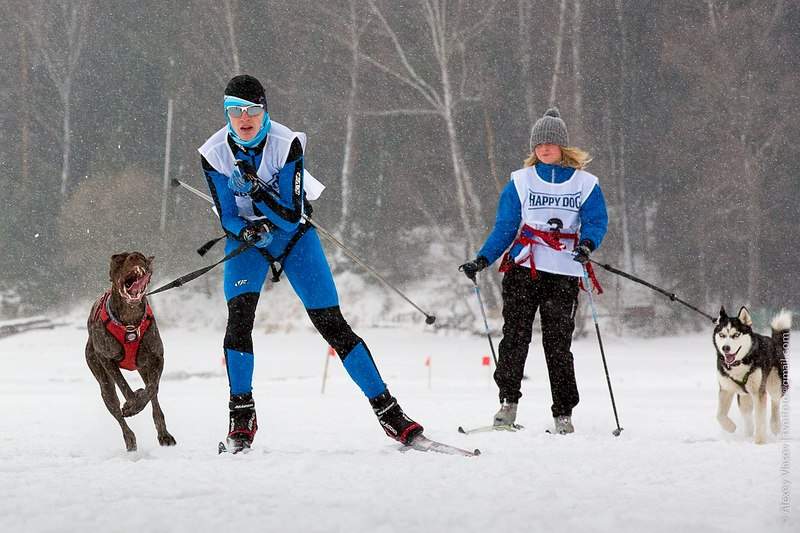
x,y
504,427
424,444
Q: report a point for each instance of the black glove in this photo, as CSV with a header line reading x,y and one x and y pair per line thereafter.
x,y
583,250
473,267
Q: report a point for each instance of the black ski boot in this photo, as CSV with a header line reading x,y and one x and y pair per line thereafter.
x,y
243,424
395,422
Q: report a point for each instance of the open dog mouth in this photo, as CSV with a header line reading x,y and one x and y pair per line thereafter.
x,y
134,284
731,357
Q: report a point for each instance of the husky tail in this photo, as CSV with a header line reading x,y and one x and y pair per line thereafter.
x,y
781,325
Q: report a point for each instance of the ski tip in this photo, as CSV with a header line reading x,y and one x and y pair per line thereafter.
x,y
221,448
476,452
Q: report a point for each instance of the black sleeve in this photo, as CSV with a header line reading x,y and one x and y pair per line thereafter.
x,y
285,209
295,151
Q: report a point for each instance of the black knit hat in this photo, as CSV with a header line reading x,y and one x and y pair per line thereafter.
x,y
549,129
247,88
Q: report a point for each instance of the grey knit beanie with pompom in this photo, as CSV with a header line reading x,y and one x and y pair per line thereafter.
x,y
549,129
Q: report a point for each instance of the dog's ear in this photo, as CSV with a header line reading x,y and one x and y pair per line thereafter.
x,y
116,262
722,313
744,317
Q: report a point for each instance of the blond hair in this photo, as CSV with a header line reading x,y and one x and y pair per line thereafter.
x,y
571,156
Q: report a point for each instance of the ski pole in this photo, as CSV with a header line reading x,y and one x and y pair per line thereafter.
x,y
429,318
485,322
328,356
197,273
588,286
669,295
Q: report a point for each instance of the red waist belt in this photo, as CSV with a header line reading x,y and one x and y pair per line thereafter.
x,y
531,237
129,336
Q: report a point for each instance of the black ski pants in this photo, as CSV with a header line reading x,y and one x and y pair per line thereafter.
x,y
556,298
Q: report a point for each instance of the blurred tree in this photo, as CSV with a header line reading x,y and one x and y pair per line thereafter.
x,y
732,140
59,31
443,88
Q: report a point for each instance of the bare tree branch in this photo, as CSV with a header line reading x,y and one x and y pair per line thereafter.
x,y
408,81
466,35
394,112
424,87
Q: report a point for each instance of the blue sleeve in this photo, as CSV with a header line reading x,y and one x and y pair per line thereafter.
x,y
506,224
594,217
223,197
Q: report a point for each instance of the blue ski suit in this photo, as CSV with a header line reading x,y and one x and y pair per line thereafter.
x,y
296,246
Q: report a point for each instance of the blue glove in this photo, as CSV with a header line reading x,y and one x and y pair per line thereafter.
x,y
258,236
243,182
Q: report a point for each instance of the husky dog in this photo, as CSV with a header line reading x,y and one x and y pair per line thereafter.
x,y
749,366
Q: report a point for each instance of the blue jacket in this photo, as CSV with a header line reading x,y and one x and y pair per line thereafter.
x,y
268,202
592,213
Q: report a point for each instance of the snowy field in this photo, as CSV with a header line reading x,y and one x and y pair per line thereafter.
x,y
321,462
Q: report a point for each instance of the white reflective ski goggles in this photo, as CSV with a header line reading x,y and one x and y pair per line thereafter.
x,y
236,111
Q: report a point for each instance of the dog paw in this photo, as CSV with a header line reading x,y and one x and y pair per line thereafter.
x,y
130,441
727,424
166,440
136,403
760,439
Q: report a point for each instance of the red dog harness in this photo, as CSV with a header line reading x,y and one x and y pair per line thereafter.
x,y
530,237
129,336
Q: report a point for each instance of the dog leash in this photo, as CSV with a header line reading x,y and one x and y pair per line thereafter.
x,y
670,295
197,273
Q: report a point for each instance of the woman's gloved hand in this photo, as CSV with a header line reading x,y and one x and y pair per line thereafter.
x,y
471,268
244,179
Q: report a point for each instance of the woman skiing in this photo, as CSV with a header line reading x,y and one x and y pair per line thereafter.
x,y
254,168
553,215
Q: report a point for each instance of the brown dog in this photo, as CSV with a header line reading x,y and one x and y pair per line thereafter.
x,y
123,334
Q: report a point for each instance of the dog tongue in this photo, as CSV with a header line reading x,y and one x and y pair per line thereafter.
x,y
139,285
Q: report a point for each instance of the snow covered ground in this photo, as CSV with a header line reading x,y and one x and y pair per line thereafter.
x,y
321,463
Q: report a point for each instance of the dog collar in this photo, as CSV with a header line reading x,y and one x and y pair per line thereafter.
x,y
727,366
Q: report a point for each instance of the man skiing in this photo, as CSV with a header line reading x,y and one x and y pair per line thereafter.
x,y
254,167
